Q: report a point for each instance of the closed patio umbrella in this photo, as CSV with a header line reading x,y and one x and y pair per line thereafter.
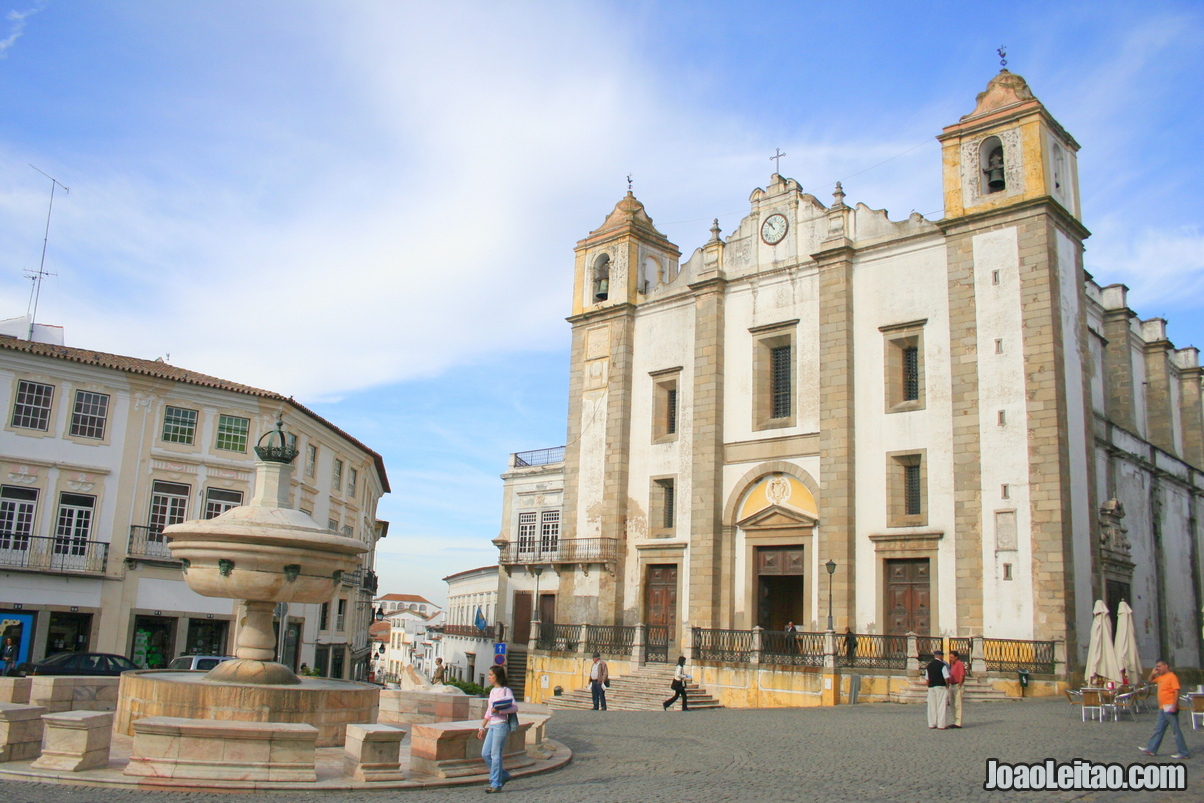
x,y
1126,643
1101,655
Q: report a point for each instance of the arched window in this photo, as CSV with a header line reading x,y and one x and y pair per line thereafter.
x,y
990,156
601,278
651,274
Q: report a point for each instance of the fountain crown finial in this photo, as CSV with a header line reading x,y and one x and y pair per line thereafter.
x,y
280,451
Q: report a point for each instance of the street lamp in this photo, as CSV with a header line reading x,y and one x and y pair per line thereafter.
x,y
831,567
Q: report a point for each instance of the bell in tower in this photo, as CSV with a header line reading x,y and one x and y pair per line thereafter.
x,y
994,171
602,278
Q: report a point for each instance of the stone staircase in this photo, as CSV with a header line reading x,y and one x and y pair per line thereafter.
x,y
644,690
516,672
978,690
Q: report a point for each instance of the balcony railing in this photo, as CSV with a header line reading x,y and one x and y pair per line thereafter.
x,y
1011,655
734,646
148,541
539,457
370,582
353,579
56,555
469,631
559,638
611,641
557,550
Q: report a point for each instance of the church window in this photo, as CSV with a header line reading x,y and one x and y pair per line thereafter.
x,y
911,373
904,365
1007,571
1005,491
999,345
601,278
662,507
991,161
665,405
1003,418
774,376
907,493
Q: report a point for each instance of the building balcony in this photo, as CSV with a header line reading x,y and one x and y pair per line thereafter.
x,y
148,542
469,631
52,555
537,457
559,550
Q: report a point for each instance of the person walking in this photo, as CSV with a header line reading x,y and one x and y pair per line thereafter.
x,y
1168,711
937,674
500,714
679,685
599,678
440,672
8,656
957,686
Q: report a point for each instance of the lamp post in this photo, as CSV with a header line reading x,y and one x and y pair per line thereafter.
x,y
831,567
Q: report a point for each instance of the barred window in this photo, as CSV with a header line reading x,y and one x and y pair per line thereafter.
x,y
179,425
332,525
911,490
32,409
527,523
219,500
668,502
74,525
91,412
550,533
348,531
911,373
779,358
17,508
671,411
232,433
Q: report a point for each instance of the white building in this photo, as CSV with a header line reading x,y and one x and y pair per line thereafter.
x,y
99,452
946,424
470,629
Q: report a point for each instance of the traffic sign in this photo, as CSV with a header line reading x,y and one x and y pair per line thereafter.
x,y
499,649
500,660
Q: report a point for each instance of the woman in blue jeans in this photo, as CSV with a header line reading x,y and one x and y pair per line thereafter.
x,y
496,727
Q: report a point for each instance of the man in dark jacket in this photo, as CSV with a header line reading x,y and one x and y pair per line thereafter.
x,y
937,675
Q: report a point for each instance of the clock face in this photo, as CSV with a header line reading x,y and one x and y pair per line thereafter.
x,y
774,229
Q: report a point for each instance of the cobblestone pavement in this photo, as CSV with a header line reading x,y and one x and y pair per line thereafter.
x,y
849,753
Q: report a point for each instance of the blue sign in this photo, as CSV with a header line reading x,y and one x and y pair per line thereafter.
x,y
499,649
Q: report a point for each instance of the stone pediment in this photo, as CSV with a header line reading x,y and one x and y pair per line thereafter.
x,y
778,517
1005,89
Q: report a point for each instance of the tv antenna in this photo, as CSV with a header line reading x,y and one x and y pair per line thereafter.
x,y
37,277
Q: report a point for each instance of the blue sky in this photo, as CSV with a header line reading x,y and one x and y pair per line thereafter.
x,y
372,206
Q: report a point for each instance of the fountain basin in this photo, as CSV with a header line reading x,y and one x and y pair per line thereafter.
x,y
328,705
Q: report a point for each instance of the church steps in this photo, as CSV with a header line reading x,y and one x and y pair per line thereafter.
x,y
645,690
978,690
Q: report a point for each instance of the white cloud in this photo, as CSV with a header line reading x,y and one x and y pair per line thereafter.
x,y
17,18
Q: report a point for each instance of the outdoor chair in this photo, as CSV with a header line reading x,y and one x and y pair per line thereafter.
x,y
1074,697
1197,710
1125,701
1094,704
1143,696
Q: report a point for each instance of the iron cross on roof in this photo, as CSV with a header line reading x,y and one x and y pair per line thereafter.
x,y
777,160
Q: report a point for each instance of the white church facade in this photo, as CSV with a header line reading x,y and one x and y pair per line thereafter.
x,y
944,427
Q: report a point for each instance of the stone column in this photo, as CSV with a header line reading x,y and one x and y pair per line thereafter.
x,y
1191,414
913,654
583,640
1159,404
830,693
757,645
710,576
1118,357
639,645
978,654
837,503
533,639
1061,670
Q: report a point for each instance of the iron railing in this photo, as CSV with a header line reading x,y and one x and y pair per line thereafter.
x,y
1011,655
792,649
561,550
611,641
656,645
370,582
148,541
927,647
468,631
874,652
559,638
539,457
58,555
964,647
731,646
354,578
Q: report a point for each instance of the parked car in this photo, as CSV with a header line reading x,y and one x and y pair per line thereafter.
x,y
201,662
78,663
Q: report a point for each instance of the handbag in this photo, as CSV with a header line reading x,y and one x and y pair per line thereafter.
x,y
512,722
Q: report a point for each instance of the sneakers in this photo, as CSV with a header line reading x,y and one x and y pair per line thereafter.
x,y
1180,755
1147,752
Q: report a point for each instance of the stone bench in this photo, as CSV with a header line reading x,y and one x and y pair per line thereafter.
x,y
76,740
202,749
373,752
399,705
59,693
15,690
452,749
20,731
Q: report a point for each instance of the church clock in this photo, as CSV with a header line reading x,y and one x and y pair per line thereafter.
x,y
774,229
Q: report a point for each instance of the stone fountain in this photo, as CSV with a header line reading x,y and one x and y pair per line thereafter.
x,y
262,553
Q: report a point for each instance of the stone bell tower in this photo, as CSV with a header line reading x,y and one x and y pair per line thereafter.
x,y
615,266
1014,244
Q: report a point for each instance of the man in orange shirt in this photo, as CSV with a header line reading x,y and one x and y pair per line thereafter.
x,y
1168,711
